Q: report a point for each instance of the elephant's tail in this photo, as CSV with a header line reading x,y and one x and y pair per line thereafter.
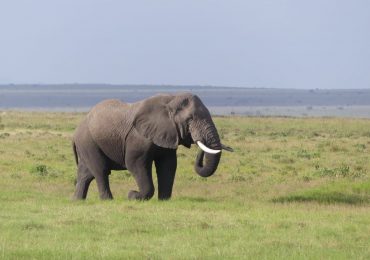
x,y
75,152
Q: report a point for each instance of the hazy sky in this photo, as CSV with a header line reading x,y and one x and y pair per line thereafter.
x,y
276,43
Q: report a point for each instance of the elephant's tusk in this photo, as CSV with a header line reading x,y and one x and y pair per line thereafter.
x,y
206,149
227,148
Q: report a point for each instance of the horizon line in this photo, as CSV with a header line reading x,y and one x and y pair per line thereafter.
x,y
169,85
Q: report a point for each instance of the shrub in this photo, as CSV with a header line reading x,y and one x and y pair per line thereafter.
x,y
41,170
4,135
342,171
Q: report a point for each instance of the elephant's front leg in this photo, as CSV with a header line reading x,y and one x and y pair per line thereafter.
x,y
141,169
139,161
143,177
166,165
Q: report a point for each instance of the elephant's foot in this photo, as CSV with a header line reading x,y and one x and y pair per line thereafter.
x,y
135,195
77,197
79,194
81,191
106,196
164,197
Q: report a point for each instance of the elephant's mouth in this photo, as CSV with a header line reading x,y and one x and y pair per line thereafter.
x,y
187,142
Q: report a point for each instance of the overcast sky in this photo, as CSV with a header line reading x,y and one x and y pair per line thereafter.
x,y
276,43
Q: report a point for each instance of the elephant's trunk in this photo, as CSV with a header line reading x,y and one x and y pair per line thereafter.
x,y
206,164
208,158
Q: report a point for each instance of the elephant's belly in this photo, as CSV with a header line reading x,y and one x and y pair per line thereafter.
x,y
117,167
114,153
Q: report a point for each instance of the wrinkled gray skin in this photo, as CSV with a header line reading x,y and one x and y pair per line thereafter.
x,y
119,136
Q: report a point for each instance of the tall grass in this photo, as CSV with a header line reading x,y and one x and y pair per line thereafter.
x,y
293,188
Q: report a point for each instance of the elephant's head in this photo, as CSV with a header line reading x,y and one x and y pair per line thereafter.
x,y
171,120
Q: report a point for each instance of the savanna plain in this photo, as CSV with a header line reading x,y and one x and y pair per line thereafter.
x,y
295,188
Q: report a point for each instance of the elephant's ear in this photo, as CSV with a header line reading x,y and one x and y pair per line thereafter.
x,y
152,120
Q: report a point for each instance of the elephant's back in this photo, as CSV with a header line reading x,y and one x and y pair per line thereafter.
x,y
109,122
108,105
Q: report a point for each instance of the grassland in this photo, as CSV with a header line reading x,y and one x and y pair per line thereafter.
x,y
293,188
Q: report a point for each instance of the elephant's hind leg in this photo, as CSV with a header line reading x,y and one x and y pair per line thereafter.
x,y
99,168
84,178
103,186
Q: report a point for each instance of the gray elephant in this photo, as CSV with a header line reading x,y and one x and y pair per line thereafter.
x,y
119,136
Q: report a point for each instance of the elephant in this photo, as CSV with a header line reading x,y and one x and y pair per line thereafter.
x,y
120,136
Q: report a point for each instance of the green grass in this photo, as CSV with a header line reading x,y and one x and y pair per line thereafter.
x,y
293,188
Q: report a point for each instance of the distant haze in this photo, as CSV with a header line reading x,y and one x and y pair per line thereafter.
x,y
219,100
270,44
